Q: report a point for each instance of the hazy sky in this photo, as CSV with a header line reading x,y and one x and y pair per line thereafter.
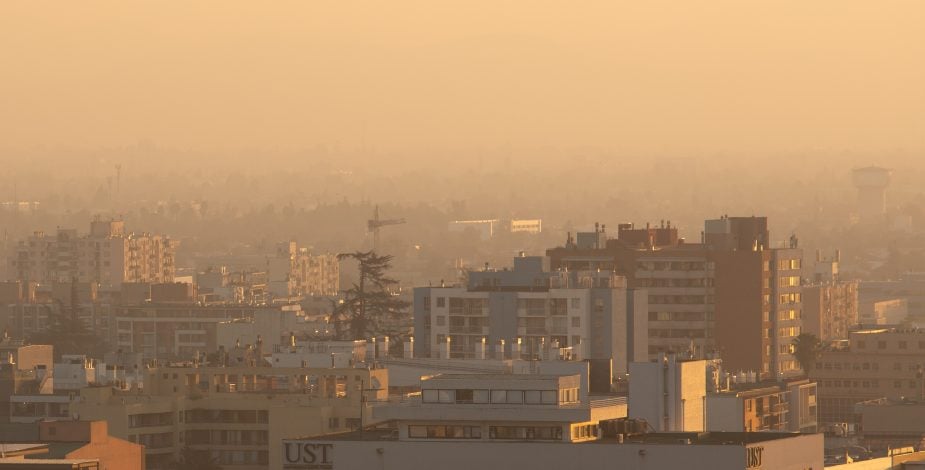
x,y
650,75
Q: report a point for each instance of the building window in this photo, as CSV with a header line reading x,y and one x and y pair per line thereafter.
x,y
544,433
444,432
465,396
576,322
441,302
903,345
441,320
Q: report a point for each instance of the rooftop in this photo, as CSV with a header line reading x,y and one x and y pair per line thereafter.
x,y
495,376
388,431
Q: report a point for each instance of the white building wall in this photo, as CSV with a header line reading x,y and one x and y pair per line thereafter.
x,y
794,453
725,413
669,395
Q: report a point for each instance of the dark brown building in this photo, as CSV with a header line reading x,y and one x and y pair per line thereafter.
x,y
731,294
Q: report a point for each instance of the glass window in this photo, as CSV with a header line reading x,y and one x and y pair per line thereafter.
x,y
515,396
549,397
464,396
499,396
429,396
532,397
480,396
446,396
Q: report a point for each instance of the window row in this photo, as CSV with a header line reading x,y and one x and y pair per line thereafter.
x,y
444,432
465,396
529,433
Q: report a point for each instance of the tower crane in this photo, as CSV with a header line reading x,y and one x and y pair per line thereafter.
x,y
373,225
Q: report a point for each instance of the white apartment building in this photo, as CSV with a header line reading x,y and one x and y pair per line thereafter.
x,y
669,394
496,421
522,313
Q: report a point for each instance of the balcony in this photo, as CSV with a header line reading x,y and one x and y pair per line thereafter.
x,y
471,330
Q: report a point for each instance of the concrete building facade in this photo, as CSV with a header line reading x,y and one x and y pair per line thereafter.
x,y
236,415
107,255
529,310
669,394
876,363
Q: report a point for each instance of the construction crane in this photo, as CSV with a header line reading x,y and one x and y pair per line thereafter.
x,y
373,225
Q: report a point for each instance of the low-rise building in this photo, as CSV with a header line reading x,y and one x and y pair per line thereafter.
x,y
888,423
172,330
764,406
498,407
79,441
235,415
501,422
876,363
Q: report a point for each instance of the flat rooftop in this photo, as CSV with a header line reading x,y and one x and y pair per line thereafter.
x,y
497,376
389,432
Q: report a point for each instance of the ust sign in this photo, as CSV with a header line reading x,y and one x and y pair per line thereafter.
x,y
753,456
302,455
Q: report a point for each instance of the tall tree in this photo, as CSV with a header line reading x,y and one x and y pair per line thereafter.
x,y
369,301
806,349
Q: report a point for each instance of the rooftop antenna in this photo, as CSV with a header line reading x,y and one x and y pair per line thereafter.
x,y
118,177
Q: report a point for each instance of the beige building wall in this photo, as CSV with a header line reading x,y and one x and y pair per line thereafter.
x,y
237,414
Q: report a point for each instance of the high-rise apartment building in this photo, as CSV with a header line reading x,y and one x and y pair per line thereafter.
x,y
294,272
678,277
830,304
107,255
759,305
520,312
731,294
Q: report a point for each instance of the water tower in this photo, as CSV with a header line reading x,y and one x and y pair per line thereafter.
x,y
871,182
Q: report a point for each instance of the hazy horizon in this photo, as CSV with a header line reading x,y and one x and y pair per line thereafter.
x,y
418,78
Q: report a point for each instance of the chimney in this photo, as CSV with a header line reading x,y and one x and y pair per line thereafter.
x,y
409,348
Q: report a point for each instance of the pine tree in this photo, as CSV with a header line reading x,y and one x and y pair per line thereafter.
x,y
806,348
369,301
